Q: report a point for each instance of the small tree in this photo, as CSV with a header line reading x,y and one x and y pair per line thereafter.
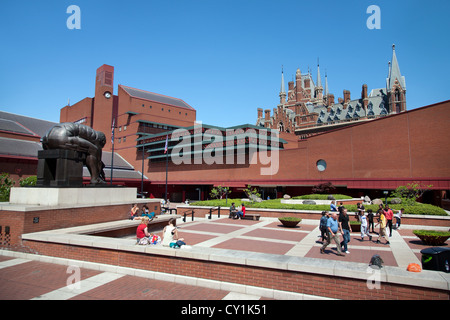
x,y
252,194
411,192
28,182
219,192
6,183
323,188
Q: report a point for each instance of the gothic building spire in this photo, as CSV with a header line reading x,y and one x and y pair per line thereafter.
x,y
319,81
394,72
318,89
282,89
396,86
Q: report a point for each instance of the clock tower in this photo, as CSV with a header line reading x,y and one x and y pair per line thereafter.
x,y
104,106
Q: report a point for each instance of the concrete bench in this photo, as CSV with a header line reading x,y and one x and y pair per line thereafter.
x,y
123,228
252,216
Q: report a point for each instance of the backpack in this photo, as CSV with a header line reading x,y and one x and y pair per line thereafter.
x,y
376,261
414,267
144,241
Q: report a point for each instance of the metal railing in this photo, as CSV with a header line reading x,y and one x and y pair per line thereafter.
x,y
211,211
191,212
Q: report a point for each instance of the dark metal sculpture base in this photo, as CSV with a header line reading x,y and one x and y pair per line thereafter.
x,y
60,168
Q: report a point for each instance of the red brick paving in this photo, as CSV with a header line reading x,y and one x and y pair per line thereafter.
x,y
276,234
135,288
31,279
237,221
211,227
3,258
273,247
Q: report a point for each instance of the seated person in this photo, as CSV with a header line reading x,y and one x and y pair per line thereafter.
x,y
146,213
142,230
170,235
233,211
134,212
241,213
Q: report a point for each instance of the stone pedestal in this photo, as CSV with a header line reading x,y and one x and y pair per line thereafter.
x,y
60,168
73,196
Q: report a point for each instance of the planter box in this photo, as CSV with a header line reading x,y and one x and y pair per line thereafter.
x,y
432,240
290,222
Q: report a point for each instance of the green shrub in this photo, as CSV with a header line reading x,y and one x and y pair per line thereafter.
x,y
322,197
432,237
6,183
219,202
290,222
418,208
293,219
432,233
28,182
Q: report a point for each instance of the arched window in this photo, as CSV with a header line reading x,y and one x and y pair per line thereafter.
x,y
398,107
281,126
397,95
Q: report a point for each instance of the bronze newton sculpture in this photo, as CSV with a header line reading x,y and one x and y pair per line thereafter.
x,y
75,143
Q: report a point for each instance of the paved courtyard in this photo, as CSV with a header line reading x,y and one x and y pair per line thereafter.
x,y
270,236
27,277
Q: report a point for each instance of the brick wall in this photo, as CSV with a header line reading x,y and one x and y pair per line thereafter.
x,y
20,222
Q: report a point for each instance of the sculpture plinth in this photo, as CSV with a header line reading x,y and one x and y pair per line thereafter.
x,y
60,168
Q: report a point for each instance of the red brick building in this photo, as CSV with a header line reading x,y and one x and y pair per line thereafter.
x,y
362,157
308,108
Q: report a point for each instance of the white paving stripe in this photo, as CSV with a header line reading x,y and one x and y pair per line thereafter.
x,y
403,254
303,247
12,262
83,286
236,296
233,234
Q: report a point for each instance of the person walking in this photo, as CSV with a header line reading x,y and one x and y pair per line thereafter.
x,y
389,216
332,230
398,218
360,208
364,226
370,220
382,223
323,225
344,223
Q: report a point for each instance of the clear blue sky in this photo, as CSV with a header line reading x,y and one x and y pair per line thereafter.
x,y
222,57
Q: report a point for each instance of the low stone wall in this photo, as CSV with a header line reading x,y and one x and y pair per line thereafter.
x,y
16,220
